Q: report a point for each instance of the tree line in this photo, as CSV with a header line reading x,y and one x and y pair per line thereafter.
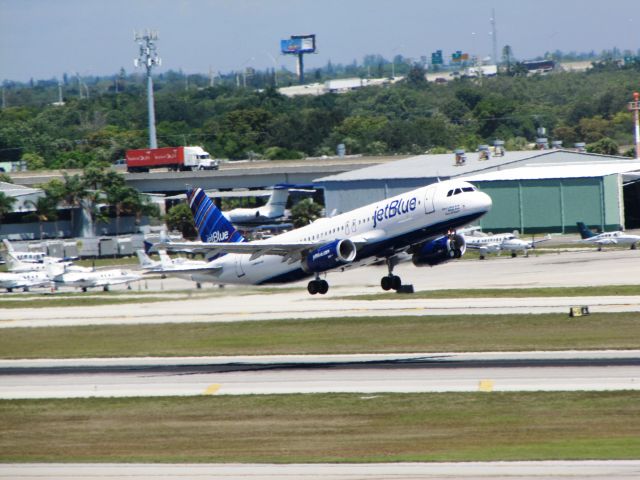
x,y
409,117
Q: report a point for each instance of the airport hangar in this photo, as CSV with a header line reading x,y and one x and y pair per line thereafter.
x,y
532,191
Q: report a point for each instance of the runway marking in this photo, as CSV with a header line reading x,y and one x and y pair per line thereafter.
x,y
212,389
485,386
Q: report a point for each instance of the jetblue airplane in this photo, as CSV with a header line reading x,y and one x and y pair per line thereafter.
x,y
421,223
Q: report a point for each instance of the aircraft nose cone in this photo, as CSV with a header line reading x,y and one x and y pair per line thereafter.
x,y
484,201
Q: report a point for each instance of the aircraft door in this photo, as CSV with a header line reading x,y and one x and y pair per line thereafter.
x,y
429,200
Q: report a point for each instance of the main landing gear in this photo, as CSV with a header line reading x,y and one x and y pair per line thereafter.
x,y
391,281
318,286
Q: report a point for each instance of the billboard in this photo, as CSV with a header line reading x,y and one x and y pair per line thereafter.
x,y
298,44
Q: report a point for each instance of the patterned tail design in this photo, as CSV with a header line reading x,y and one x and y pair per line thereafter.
x,y
210,223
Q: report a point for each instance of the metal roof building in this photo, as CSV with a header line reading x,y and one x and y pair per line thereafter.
x,y
552,198
587,187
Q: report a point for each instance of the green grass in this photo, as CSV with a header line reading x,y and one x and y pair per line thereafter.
x,y
599,291
324,428
407,334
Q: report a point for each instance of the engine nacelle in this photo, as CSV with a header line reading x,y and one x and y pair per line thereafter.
x,y
440,250
331,255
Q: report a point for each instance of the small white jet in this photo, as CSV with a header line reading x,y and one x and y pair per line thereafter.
x,y
501,242
27,257
24,280
607,238
19,266
273,209
177,267
420,223
84,280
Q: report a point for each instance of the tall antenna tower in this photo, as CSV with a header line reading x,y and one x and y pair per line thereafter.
x,y
148,58
494,36
635,107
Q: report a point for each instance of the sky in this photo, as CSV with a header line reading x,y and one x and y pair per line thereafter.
x,y
43,39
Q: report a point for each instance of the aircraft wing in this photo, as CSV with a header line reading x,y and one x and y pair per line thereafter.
x,y
534,242
291,250
189,269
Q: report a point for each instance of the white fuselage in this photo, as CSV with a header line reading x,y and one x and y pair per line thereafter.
x,y
391,224
613,238
95,279
24,280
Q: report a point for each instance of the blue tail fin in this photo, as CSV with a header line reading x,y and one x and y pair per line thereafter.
x,y
584,231
210,223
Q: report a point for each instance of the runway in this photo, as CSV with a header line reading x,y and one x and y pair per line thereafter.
x,y
292,301
592,470
595,371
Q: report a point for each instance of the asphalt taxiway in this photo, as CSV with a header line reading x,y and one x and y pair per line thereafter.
x,y
445,372
582,268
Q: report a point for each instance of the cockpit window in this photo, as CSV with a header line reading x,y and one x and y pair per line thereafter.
x,y
458,191
449,193
468,189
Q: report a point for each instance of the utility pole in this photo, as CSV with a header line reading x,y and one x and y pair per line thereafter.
x,y
494,36
148,58
634,107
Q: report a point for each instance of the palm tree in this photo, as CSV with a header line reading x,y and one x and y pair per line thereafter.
x,y
45,210
74,193
6,205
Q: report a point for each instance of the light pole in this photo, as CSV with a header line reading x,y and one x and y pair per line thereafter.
x,y
393,60
148,58
275,68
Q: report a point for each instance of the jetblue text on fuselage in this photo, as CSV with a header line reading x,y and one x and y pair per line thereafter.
x,y
391,209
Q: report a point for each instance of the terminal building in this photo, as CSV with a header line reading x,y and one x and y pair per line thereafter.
x,y
532,191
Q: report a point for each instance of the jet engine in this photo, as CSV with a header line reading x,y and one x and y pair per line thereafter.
x,y
331,255
440,250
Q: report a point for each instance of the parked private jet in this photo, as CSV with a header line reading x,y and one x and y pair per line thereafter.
x,y
273,209
27,257
501,242
95,278
178,267
421,223
607,238
24,280
19,266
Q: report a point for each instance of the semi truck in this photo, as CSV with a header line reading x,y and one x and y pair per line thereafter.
x,y
173,158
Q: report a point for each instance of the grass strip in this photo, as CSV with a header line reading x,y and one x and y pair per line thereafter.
x,y
406,334
537,292
324,428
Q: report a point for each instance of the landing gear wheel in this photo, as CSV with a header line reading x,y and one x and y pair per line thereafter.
x,y
318,286
105,288
391,281
513,254
84,289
